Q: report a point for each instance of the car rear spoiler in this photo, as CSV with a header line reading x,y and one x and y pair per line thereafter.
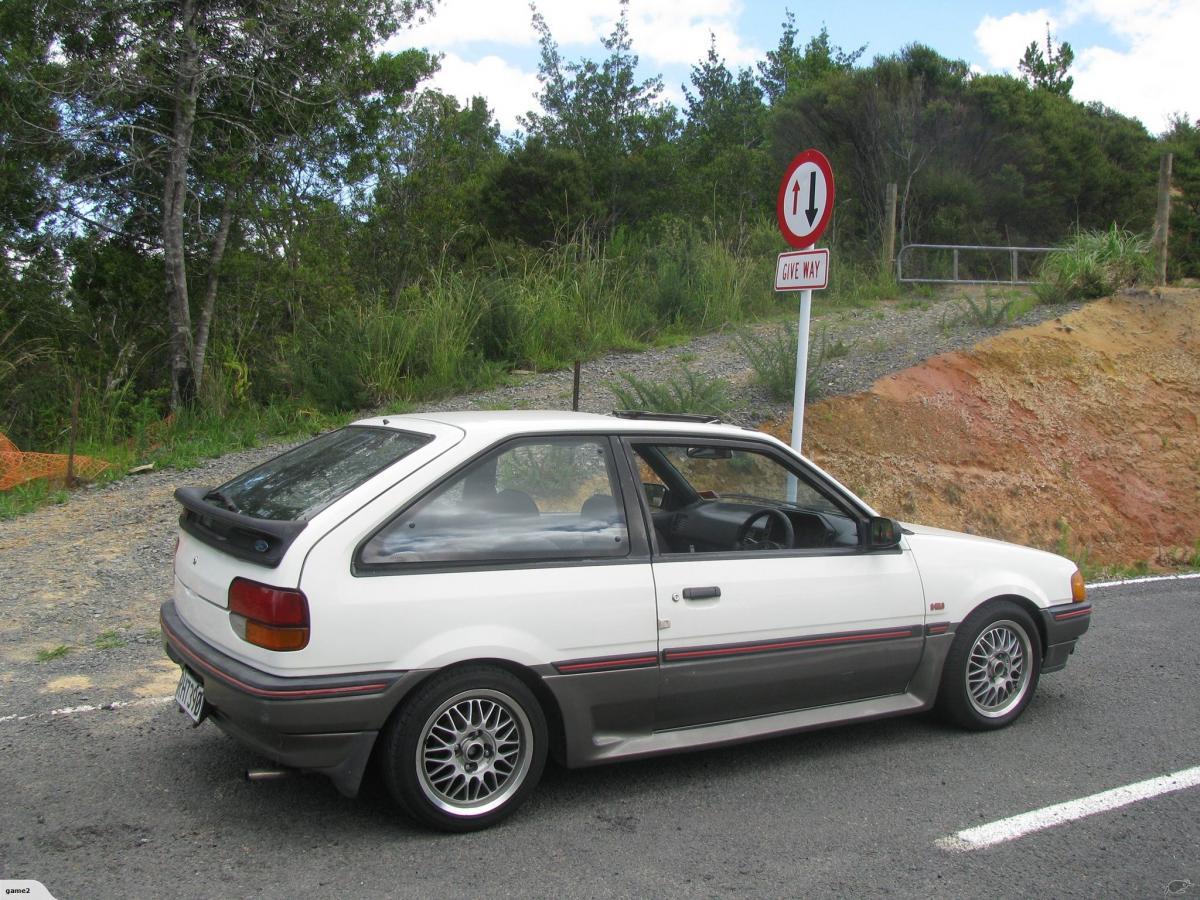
x,y
260,541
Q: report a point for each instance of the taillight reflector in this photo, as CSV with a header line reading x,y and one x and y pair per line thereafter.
x,y
269,617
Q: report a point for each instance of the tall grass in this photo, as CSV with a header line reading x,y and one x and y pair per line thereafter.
x,y
1094,264
461,329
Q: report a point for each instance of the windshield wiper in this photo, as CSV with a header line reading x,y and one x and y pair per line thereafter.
x,y
223,499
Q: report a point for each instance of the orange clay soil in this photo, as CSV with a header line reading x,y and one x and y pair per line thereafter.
x,y
1078,435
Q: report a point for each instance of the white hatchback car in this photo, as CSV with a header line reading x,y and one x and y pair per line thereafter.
x,y
459,594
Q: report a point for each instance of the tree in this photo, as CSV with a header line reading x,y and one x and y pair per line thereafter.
x,y
619,127
1048,70
433,180
879,124
723,140
175,111
787,67
1183,140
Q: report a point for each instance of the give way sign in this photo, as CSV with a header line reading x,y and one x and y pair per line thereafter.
x,y
805,199
802,270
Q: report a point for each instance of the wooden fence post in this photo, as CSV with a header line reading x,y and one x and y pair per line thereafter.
x,y
1162,219
77,387
889,230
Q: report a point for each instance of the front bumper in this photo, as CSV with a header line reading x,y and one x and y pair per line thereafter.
x,y
1063,626
325,723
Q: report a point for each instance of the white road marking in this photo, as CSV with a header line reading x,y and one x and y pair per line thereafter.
x,y
74,710
1003,830
116,704
1122,581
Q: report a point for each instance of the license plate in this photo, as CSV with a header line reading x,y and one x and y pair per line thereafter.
x,y
189,694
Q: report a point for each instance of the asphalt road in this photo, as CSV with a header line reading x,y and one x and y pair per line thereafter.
x,y
133,802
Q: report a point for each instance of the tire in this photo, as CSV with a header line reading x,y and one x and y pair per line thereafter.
x,y
466,750
992,668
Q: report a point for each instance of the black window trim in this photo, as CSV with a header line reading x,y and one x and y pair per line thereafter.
x,y
639,547
790,461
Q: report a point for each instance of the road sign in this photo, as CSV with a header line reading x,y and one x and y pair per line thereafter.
x,y
802,270
803,207
805,199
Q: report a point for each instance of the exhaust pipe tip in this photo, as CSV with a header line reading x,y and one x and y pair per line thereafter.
x,y
267,774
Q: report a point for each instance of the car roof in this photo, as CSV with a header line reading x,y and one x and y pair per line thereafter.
x,y
501,423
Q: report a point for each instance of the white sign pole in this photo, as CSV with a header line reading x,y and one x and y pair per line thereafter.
x,y
801,369
801,384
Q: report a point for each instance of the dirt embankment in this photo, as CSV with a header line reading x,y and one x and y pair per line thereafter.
x,y
1078,434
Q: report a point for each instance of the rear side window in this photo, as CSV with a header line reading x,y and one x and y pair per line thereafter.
x,y
534,499
300,483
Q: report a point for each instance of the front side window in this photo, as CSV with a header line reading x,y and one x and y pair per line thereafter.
x,y
717,498
535,499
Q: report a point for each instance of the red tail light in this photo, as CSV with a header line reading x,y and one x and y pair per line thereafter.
x,y
270,617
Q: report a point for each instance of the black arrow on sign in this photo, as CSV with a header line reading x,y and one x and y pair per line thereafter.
x,y
811,212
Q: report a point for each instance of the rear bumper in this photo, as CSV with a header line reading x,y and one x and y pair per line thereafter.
x,y
1063,626
325,723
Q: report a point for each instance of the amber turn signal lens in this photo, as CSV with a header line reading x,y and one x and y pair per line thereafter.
x,y
272,637
1078,588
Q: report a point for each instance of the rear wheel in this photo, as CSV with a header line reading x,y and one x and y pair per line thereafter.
x,y
992,669
466,750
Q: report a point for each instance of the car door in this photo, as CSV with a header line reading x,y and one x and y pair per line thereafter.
x,y
748,629
525,553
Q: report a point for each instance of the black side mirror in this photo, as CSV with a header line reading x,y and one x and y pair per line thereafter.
x,y
656,494
882,533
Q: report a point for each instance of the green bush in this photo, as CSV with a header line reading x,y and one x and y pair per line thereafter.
x,y
689,392
1094,264
773,358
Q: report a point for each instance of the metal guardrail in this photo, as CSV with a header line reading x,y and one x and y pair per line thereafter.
x,y
1013,263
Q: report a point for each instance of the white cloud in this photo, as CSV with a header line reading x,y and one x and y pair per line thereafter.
x,y
455,22
509,91
1150,73
663,31
1003,41
678,31
1158,74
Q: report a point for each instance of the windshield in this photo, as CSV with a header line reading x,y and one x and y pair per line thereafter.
x,y
302,482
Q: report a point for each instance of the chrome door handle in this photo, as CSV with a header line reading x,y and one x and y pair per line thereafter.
x,y
701,593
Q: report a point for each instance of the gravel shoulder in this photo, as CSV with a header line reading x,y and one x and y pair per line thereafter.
x,y
882,339
90,574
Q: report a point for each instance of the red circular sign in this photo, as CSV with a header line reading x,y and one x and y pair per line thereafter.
x,y
805,199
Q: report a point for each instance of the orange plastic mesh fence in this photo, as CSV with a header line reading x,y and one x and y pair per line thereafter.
x,y
17,467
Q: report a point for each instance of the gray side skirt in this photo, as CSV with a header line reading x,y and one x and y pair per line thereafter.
x,y
589,743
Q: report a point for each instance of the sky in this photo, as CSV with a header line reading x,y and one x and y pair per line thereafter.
x,y
1140,57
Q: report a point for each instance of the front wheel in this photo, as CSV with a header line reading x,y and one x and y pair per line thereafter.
x,y
992,669
466,751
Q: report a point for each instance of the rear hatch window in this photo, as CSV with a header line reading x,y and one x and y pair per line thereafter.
x,y
258,514
299,484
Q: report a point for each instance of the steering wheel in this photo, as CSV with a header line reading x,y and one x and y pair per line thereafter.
x,y
776,521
